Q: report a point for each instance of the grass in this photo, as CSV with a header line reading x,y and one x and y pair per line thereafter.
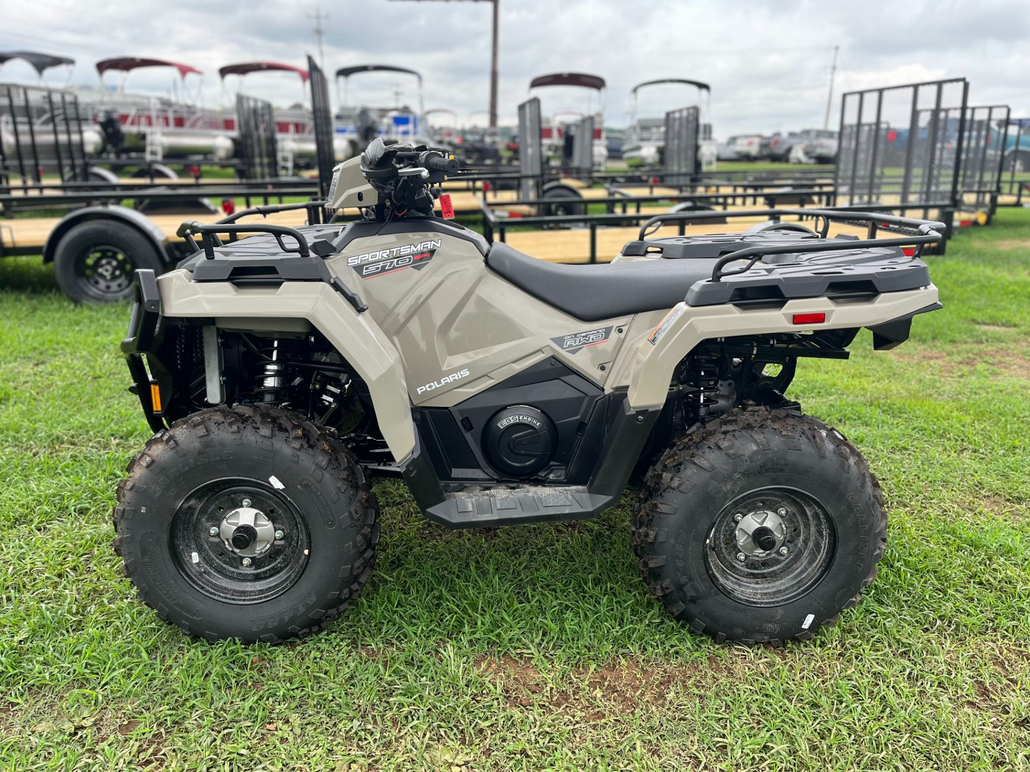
x,y
537,647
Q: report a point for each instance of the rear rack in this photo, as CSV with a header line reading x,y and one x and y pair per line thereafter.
x,y
927,232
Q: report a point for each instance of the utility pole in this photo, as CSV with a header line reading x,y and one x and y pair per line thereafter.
x,y
319,33
494,34
829,98
493,65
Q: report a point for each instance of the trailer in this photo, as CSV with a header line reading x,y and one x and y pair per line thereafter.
x,y
97,246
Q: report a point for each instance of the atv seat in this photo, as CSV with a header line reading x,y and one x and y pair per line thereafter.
x,y
603,291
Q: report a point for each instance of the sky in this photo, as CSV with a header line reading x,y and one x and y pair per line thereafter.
x,y
768,63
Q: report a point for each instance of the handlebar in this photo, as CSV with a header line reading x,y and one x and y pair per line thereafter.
x,y
438,163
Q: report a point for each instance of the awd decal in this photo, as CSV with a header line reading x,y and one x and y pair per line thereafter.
x,y
577,340
415,256
443,381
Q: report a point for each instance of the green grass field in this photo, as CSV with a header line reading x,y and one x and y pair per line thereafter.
x,y
537,647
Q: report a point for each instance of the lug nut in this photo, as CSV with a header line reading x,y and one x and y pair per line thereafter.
x,y
278,534
246,562
738,517
783,551
212,531
781,512
246,502
741,557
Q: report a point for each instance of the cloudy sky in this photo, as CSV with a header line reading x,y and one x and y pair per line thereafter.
x,y
768,62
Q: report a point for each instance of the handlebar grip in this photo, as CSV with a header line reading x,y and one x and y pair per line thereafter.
x,y
438,163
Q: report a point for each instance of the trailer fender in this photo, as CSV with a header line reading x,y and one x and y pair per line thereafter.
x,y
137,220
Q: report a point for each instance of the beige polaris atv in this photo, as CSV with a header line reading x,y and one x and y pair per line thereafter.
x,y
284,370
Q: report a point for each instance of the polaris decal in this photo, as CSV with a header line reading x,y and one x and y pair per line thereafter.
x,y
443,381
415,256
577,340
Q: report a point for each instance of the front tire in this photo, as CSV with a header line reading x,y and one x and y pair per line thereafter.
x,y
246,523
759,527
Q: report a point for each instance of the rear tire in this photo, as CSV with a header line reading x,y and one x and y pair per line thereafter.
x,y
303,557
95,261
759,527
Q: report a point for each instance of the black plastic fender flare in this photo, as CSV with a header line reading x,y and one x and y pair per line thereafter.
x,y
123,214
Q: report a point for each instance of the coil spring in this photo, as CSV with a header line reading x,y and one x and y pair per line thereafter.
x,y
271,381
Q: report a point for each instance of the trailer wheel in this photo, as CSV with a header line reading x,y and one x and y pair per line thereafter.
x,y
562,201
95,261
760,526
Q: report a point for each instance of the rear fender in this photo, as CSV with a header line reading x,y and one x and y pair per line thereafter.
x,y
649,367
356,337
131,217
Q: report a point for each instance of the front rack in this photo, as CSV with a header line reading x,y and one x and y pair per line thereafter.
x,y
209,236
927,232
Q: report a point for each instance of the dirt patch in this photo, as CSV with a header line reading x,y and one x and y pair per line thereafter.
x,y
996,327
1015,363
1011,244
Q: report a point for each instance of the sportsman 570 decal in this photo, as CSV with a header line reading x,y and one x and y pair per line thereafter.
x,y
384,261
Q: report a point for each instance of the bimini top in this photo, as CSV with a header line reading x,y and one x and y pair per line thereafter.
x,y
245,68
346,72
580,79
682,81
129,63
40,62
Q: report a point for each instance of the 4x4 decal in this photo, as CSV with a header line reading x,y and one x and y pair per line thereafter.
x,y
386,261
575,341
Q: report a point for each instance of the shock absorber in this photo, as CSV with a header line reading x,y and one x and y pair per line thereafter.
x,y
271,380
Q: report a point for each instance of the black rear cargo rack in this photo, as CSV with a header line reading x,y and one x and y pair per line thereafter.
x,y
926,232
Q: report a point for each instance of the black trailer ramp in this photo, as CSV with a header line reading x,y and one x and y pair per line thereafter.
x,y
324,132
256,122
682,135
531,152
40,135
902,145
583,147
983,146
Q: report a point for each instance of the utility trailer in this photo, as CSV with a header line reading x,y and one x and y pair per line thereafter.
x,y
902,146
98,245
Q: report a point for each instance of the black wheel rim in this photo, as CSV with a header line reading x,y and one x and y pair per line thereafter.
x,y
217,569
105,270
770,546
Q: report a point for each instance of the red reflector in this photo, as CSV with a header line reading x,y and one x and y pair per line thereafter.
x,y
486,187
446,207
908,251
965,223
809,318
228,206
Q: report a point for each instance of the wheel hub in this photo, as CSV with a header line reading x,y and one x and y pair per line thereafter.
x,y
247,531
760,534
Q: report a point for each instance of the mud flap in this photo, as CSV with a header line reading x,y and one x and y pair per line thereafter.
x,y
895,332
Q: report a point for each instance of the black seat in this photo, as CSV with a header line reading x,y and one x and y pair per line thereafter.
x,y
602,291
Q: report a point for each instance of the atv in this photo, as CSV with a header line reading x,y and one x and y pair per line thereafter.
x,y
281,372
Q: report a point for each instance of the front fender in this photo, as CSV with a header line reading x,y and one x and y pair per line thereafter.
x,y
355,336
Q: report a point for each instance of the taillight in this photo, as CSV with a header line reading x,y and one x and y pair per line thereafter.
x,y
908,251
228,206
810,318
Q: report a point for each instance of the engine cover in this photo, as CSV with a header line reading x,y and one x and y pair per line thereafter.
x,y
519,440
